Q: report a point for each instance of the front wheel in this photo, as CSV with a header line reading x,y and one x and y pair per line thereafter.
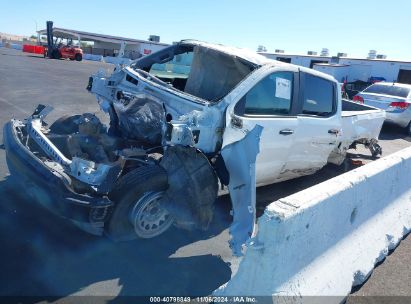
x,y
148,218
139,205
55,54
78,57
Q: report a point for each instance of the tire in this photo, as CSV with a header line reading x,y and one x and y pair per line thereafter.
x,y
65,125
78,57
133,195
55,54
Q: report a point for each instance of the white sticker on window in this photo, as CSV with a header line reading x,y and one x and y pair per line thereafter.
x,y
282,88
310,101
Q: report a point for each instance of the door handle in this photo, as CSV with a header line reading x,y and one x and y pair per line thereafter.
x,y
333,131
286,132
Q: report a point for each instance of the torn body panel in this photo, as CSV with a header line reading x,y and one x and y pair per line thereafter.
x,y
100,177
240,155
200,129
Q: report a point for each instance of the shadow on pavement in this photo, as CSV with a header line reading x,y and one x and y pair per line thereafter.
x,y
391,132
36,56
47,256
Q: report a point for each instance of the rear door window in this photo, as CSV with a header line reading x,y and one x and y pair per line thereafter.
x,y
318,96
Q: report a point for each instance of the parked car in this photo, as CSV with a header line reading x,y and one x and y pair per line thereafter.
x,y
171,144
394,98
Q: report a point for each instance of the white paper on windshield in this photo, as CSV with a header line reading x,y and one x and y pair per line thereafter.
x,y
282,88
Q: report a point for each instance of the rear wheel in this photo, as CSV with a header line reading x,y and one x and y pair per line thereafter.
x,y
139,211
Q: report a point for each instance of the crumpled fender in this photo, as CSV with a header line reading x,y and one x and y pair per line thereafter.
x,y
193,186
240,157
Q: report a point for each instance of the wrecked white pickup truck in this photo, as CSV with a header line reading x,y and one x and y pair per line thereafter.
x,y
184,123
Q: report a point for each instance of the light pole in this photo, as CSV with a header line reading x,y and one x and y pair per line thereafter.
x,y
38,35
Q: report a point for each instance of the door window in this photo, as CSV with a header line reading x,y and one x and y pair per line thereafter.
x,y
271,96
318,97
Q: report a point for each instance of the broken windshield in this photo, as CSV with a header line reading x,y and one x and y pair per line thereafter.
x,y
196,70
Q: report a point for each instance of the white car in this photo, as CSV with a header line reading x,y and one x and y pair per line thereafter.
x,y
394,98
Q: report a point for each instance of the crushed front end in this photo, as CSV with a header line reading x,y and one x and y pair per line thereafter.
x,y
71,166
46,181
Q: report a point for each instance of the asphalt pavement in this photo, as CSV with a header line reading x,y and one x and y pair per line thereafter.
x,y
43,255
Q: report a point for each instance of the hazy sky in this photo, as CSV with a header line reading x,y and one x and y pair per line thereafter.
x,y
349,26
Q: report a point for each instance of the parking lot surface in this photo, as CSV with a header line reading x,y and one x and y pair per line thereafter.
x,y
44,255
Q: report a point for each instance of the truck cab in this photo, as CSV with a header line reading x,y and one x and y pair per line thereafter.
x,y
300,111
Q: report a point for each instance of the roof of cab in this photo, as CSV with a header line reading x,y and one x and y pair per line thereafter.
x,y
254,57
246,54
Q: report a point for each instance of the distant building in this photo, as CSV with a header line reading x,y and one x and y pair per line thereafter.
x,y
107,45
350,69
10,38
261,48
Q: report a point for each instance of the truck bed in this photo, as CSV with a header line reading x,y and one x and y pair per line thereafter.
x,y
360,121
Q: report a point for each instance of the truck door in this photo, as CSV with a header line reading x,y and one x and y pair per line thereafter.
x,y
319,125
269,103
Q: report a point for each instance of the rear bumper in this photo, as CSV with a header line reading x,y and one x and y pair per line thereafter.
x,y
401,119
50,188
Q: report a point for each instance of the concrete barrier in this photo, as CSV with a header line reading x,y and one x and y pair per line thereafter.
x,y
116,60
328,238
92,57
16,46
107,59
